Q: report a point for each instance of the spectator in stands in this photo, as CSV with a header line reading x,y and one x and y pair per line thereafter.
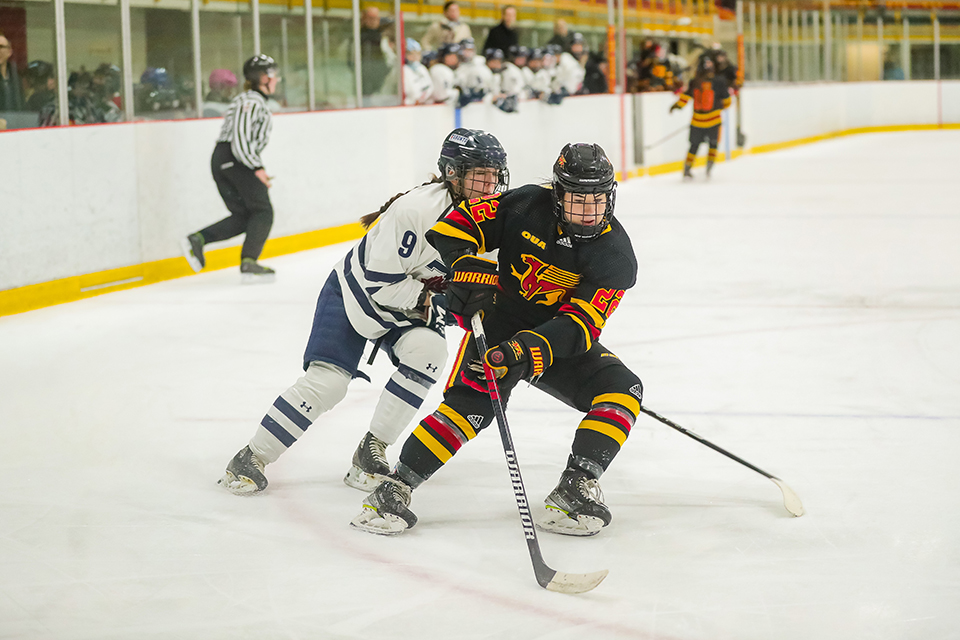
x,y
42,83
561,35
82,109
443,73
504,35
11,91
417,83
448,30
374,66
105,91
595,78
223,86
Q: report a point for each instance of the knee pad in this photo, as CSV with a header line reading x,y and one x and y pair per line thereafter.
x,y
323,385
422,350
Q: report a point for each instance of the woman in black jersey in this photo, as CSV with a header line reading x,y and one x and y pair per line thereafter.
x,y
240,176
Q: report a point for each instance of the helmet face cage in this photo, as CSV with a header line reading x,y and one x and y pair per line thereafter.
x,y
584,171
466,149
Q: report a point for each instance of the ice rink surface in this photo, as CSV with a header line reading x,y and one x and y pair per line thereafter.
x,y
801,310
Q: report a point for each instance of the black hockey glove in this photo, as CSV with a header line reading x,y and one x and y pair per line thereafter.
x,y
472,285
524,356
676,105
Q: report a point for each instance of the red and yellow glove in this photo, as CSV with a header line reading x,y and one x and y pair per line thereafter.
x,y
524,356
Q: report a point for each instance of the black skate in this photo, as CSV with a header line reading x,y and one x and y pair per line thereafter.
x,y
385,510
369,464
709,168
252,272
575,507
192,247
687,173
244,475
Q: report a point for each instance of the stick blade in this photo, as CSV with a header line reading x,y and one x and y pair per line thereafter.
x,y
575,582
790,499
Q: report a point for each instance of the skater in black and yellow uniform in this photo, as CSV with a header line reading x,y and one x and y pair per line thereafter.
x,y
564,263
710,95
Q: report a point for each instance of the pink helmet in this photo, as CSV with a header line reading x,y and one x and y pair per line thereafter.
x,y
222,79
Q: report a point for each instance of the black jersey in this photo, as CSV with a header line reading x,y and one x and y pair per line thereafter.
x,y
562,289
710,96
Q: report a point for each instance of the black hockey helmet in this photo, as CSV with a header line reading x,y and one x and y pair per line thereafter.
x,y
468,43
38,72
705,65
446,49
584,169
536,54
465,149
493,54
258,66
516,51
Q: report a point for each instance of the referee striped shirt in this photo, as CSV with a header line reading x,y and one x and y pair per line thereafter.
x,y
246,126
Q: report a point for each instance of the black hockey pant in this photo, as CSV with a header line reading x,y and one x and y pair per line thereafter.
x,y
247,200
699,135
595,382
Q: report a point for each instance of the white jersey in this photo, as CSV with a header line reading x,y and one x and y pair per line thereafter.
x,y
569,74
417,84
468,73
382,276
542,81
444,84
528,80
512,82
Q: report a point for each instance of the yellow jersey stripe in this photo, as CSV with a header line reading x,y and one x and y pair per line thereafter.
x,y
591,311
444,228
431,443
458,420
629,403
606,429
586,332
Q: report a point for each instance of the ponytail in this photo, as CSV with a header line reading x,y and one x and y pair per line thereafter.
x,y
368,220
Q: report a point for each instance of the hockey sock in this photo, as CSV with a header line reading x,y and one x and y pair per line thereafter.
x,y
319,390
603,430
437,438
712,155
401,398
690,158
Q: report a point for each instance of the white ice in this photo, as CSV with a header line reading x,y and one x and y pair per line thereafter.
x,y
801,310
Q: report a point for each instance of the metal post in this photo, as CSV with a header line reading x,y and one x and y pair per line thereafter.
x,y
764,28
613,69
326,56
357,63
754,52
311,81
827,42
775,43
63,101
880,44
195,32
126,53
936,46
622,39
401,46
804,46
860,45
905,49
796,46
284,48
816,69
255,10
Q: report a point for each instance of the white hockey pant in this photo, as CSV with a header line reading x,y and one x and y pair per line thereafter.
x,y
422,354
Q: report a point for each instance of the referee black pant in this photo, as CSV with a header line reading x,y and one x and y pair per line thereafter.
x,y
247,200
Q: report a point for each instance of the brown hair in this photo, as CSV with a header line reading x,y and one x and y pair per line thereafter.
x,y
367,220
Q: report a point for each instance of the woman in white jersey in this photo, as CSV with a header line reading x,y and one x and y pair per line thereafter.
x,y
388,288
238,171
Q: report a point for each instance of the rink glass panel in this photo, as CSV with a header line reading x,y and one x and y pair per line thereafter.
x,y
29,27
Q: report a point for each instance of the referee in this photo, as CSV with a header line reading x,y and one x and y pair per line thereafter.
x,y
240,176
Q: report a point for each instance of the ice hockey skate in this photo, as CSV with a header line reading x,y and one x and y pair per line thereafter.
x,y
192,247
687,173
709,168
369,464
575,507
252,272
244,475
385,510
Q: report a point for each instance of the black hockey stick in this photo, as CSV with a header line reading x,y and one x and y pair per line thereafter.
x,y
741,138
547,577
790,499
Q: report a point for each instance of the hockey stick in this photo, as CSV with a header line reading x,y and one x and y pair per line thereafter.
x,y
547,577
741,138
790,499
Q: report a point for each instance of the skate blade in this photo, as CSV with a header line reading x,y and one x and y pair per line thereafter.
x,y
358,479
192,260
371,522
253,278
556,521
238,486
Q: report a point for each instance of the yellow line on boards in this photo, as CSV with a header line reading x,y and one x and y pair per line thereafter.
x,y
46,294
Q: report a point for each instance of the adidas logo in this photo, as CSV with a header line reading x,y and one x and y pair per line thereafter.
x,y
637,390
476,421
565,242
